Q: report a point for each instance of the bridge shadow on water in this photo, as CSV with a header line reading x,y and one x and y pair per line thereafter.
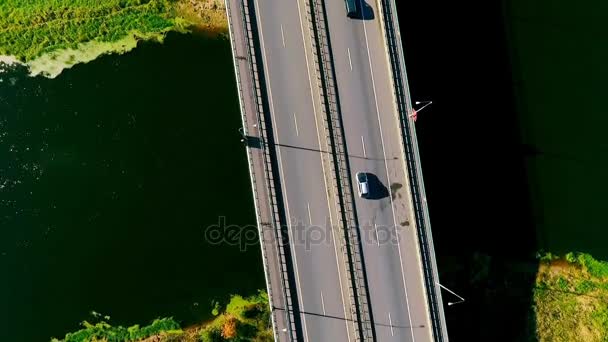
x,y
474,169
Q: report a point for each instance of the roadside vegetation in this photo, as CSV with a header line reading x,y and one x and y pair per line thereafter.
x,y
571,299
243,319
30,29
165,328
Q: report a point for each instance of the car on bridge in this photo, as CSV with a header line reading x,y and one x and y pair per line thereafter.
x,y
362,184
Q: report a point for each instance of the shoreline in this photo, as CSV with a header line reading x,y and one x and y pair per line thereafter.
x,y
9,60
52,64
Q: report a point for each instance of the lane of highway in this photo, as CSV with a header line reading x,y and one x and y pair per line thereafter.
x,y
294,101
369,114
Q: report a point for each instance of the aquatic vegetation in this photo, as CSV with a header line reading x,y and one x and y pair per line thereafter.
x,y
53,63
571,298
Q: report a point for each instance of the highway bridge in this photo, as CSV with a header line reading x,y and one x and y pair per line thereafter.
x,y
324,96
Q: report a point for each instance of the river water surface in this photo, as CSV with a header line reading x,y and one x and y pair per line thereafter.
x,y
109,175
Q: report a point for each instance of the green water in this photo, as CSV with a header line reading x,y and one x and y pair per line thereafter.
x,y
560,72
108,176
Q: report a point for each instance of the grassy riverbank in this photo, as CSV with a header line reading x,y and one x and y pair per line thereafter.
x,y
243,319
571,299
66,32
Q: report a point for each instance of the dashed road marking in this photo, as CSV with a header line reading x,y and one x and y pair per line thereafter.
x,y
282,35
323,304
295,121
309,216
363,144
377,236
350,62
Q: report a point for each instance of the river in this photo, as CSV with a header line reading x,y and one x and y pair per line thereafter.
x,y
560,79
109,175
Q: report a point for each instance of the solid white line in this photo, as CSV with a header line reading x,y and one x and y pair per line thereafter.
x,y
371,70
323,304
390,322
350,62
281,170
377,239
363,144
324,176
309,216
282,35
295,121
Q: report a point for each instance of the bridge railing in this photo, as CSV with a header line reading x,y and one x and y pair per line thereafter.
x,y
349,240
275,226
408,131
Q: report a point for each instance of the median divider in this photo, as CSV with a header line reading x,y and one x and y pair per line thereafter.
x,y
412,154
341,182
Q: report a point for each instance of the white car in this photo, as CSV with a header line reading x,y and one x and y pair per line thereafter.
x,y
362,184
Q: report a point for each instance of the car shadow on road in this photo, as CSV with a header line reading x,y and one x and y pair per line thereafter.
x,y
364,11
377,190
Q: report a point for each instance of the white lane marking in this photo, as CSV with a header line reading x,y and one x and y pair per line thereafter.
x,y
281,170
295,121
371,70
309,216
324,176
390,322
377,236
282,35
363,144
350,62
323,304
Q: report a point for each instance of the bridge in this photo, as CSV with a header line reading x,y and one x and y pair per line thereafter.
x,y
323,97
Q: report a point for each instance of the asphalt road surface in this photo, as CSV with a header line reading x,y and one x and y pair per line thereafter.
x,y
296,113
370,119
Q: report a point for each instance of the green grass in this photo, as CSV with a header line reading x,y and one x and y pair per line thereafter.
x,y
41,33
571,299
103,331
250,316
30,28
